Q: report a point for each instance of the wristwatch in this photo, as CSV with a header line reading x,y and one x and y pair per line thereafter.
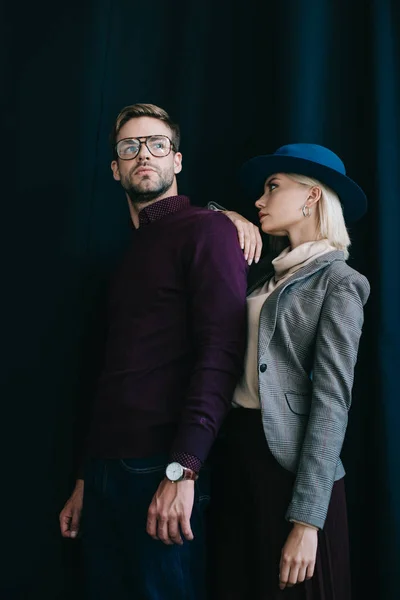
x,y
175,472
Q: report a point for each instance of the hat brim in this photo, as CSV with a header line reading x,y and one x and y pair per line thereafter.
x,y
254,172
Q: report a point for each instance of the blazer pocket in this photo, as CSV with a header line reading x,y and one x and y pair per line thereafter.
x,y
299,404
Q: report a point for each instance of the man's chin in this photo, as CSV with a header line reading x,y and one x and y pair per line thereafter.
x,y
146,188
143,194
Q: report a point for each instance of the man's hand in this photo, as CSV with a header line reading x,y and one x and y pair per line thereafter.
x,y
70,515
170,511
249,236
298,556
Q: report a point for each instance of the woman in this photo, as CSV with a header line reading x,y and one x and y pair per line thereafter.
x,y
279,522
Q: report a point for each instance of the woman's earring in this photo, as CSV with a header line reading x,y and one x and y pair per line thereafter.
x,y
306,210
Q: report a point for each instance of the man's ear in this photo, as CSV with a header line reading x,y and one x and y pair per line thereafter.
x,y
115,170
177,163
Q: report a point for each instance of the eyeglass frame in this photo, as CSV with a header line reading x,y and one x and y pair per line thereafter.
x,y
143,140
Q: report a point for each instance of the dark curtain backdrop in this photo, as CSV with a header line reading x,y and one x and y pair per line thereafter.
x,y
241,79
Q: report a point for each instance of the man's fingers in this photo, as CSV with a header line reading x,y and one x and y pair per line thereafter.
x,y
162,530
65,520
151,526
74,525
186,529
165,518
173,532
69,523
70,515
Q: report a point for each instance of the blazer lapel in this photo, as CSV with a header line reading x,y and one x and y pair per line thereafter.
x,y
269,309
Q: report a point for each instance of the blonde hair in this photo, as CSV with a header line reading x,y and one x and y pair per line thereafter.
x,y
330,221
134,111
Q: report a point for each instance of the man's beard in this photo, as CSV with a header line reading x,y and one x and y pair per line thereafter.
x,y
139,196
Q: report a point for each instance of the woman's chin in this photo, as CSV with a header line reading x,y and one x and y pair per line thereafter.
x,y
273,231
265,227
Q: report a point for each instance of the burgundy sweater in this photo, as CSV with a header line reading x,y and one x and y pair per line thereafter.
x,y
176,336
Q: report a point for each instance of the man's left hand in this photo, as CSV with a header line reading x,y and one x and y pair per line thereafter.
x,y
170,511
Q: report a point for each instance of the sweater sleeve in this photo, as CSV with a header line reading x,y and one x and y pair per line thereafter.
x,y
217,282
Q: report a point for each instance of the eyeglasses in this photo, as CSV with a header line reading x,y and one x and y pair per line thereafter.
x,y
157,145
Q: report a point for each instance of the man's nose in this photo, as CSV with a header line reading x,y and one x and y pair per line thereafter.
x,y
143,151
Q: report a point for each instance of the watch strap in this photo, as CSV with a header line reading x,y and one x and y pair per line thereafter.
x,y
189,474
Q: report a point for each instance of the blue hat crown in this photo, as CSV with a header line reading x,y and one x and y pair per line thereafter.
x,y
314,153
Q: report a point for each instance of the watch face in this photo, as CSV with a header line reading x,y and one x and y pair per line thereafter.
x,y
174,471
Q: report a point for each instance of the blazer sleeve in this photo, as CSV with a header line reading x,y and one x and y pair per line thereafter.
x,y
336,349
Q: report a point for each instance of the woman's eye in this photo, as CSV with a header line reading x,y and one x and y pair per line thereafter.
x,y
272,186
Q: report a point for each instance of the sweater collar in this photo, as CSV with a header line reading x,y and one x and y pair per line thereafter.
x,y
162,208
290,261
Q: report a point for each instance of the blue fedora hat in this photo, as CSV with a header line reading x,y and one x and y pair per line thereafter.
x,y
313,161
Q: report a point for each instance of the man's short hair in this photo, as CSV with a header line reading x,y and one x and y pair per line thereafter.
x,y
134,111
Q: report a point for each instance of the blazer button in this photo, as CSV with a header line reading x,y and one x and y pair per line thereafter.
x,y
263,368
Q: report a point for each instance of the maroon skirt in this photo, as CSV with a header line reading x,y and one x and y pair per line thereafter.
x,y
249,497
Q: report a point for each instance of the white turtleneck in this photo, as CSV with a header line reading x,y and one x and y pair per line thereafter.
x,y
285,265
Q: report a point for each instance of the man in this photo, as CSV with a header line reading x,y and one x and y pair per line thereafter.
x,y
175,349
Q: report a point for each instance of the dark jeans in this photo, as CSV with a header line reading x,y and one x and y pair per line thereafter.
x,y
122,562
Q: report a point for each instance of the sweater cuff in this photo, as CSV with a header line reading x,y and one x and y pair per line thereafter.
x,y
187,460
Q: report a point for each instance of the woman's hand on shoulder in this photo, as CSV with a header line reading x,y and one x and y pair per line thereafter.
x,y
249,236
298,555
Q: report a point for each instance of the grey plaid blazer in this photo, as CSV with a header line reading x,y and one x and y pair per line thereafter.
x,y
309,334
